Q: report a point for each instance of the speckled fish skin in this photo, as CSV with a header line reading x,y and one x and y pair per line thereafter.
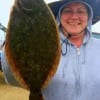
x,y
32,45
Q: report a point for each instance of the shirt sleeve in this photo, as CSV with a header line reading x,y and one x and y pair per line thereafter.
x,y
8,75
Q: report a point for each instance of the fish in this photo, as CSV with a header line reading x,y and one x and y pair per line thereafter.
x,y
32,45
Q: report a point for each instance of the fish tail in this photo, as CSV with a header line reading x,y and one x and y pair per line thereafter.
x,y
36,96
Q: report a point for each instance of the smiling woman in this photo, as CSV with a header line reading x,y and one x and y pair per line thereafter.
x,y
31,49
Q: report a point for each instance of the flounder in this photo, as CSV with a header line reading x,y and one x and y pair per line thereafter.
x,y
32,45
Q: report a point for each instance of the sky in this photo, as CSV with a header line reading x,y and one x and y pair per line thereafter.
x,y
5,7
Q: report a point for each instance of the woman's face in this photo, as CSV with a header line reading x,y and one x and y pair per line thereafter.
x,y
74,18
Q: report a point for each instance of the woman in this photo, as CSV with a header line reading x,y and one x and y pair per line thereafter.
x,y
77,76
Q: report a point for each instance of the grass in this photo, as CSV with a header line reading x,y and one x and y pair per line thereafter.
x,y
8,92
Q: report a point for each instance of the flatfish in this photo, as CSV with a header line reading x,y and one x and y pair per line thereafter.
x,y
32,45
